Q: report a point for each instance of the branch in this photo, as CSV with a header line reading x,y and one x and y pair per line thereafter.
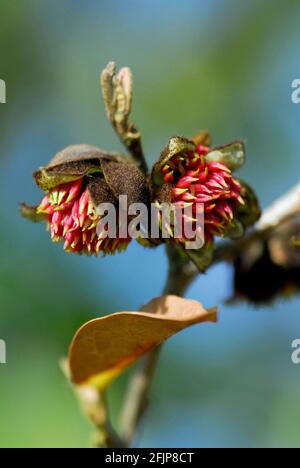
x,y
181,274
281,211
278,213
94,407
137,397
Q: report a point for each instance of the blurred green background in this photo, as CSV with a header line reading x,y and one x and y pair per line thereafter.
x,y
223,65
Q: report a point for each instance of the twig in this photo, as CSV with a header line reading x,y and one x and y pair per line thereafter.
x,y
281,211
181,274
94,406
137,397
117,94
278,213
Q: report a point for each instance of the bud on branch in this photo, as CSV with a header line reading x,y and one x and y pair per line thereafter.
x,y
117,94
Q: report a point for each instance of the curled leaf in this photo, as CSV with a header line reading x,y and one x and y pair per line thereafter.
x,y
124,79
232,155
104,347
117,95
75,153
176,146
30,212
72,163
202,258
250,211
234,230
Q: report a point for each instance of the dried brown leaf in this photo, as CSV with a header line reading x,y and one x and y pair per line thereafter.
x,y
104,347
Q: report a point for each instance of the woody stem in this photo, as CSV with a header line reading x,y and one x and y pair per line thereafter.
x,y
282,210
180,276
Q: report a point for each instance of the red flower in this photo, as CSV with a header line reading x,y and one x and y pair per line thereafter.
x,y
196,180
72,219
79,179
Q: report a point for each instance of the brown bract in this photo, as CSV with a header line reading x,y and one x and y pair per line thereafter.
x,y
108,176
72,163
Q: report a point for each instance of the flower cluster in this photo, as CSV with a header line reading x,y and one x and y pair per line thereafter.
x,y
78,180
195,180
189,174
72,219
